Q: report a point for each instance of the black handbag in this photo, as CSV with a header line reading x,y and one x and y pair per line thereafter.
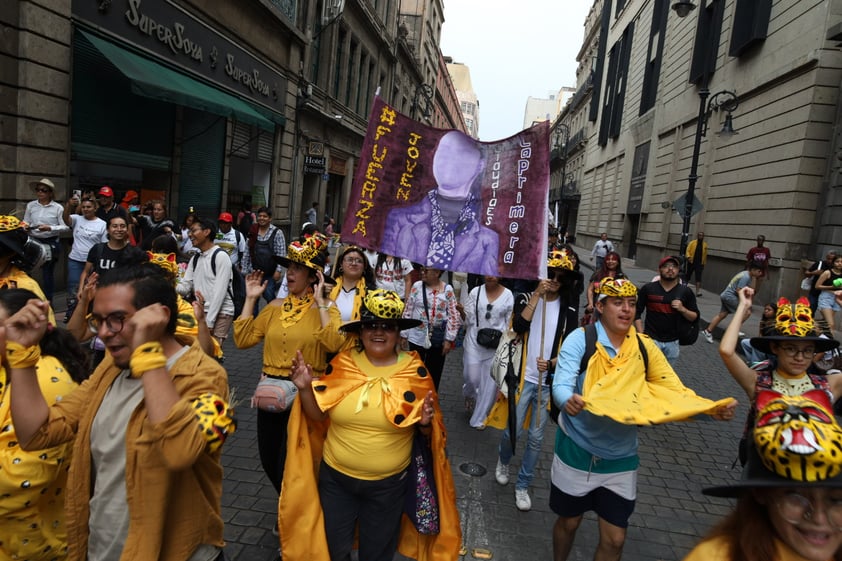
x,y
421,502
688,331
487,337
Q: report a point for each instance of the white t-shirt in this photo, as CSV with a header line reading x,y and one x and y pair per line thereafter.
x,y
392,276
533,345
86,233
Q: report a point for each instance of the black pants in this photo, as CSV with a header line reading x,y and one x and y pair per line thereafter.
x,y
433,360
272,444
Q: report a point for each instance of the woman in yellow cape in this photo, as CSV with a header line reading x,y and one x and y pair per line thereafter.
x,y
355,426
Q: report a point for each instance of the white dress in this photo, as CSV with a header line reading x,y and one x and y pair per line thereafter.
x,y
476,359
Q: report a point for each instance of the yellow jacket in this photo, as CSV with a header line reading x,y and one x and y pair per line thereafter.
x,y
300,517
691,251
33,482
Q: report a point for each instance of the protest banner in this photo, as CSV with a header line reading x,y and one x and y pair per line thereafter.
x,y
444,200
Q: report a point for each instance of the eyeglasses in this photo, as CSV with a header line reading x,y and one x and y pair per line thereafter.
x,y
196,230
380,326
113,322
488,309
353,261
558,277
795,507
793,352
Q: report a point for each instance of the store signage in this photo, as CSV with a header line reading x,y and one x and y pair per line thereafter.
x,y
174,34
314,164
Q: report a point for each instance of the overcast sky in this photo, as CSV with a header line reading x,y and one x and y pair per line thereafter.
x,y
514,50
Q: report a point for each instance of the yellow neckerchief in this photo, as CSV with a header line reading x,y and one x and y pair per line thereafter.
x,y
294,307
358,296
619,387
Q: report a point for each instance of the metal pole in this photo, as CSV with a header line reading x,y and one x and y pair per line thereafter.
x,y
694,169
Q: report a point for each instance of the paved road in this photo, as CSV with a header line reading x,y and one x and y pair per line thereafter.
x,y
677,460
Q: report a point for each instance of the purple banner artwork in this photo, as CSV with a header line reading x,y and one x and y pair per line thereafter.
x,y
442,199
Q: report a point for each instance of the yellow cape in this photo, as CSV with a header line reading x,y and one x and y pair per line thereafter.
x,y
300,517
622,389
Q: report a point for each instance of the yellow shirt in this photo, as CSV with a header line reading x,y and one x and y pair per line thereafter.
x,y
717,549
361,442
280,344
32,483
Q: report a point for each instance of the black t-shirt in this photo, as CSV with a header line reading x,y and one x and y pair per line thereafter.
x,y
661,322
116,210
103,257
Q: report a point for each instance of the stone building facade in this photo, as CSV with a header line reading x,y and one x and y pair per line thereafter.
x,y
777,177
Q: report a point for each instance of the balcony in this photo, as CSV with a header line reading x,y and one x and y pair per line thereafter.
x,y
581,93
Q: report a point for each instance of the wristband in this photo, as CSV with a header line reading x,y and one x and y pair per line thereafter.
x,y
19,356
324,307
148,356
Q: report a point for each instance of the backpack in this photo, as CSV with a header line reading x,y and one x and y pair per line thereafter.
x,y
244,221
237,288
590,349
263,254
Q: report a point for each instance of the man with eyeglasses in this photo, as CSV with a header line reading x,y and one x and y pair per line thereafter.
x,y
108,208
210,273
666,302
145,481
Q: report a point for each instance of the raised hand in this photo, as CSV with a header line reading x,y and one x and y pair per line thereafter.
x,y
29,324
301,372
149,324
255,285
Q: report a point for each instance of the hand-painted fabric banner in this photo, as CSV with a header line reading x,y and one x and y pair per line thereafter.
x,y
442,199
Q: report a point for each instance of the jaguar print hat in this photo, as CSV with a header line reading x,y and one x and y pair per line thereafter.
x,y
794,322
381,305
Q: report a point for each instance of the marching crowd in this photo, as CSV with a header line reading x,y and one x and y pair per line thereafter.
x,y
113,425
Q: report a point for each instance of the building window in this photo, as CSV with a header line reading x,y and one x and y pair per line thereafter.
x,y
706,48
599,60
652,72
615,87
620,5
751,22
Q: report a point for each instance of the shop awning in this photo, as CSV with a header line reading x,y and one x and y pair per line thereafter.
x,y
156,81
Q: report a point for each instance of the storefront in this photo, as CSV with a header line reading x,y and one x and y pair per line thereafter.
x,y
166,105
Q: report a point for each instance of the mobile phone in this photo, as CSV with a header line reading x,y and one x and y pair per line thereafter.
x,y
77,193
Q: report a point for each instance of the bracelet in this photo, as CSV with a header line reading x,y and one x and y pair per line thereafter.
x,y
148,356
324,307
19,356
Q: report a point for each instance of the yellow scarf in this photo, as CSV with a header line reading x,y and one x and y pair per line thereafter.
x,y
294,307
358,296
621,388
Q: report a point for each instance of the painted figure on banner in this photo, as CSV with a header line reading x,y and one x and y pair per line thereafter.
x,y
443,229
444,200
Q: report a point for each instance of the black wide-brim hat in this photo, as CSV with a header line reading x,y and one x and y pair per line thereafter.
x,y
822,344
756,476
12,235
381,305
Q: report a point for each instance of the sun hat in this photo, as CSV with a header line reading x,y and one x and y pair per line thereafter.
x,y
312,253
795,443
45,182
615,288
106,191
667,259
226,217
793,323
381,305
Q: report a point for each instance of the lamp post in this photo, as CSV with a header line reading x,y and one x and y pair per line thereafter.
x,y
423,100
725,100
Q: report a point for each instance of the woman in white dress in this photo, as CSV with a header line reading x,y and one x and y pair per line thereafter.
x,y
488,305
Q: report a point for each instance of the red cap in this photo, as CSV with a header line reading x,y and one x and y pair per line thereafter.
x,y
667,259
106,191
226,217
129,196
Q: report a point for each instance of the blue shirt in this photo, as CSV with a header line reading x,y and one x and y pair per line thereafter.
x,y
600,436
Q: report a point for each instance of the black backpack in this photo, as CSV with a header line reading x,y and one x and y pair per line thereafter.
x,y
590,349
237,288
263,256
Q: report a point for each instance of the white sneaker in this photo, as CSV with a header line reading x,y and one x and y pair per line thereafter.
x,y
708,336
501,473
522,500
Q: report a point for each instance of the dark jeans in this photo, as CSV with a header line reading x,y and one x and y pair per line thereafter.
x,y
272,444
433,360
376,505
48,271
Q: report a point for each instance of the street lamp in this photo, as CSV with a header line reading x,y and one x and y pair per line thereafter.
x,y
725,100
423,100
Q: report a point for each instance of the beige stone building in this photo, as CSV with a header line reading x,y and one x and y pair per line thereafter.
x,y
460,75
779,176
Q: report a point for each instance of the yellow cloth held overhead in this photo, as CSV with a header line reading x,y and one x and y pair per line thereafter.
x,y
621,388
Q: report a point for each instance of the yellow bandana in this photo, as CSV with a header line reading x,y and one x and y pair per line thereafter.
x,y
619,388
358,296
293,308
